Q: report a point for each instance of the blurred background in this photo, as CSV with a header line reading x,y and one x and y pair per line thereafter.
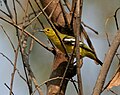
x,y
95,14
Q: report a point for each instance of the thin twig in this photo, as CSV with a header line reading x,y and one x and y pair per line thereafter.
x,y
53,9
17,49
74,3
14,69
20,5
89,28
115,16
38,15
118,68
113,92
8,38
8,88
26,32
106,22
5,13
24,55
67,3
64,13
6,5
13,65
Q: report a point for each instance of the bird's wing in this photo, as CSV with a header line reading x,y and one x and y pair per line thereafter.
x,y
84,46
69,40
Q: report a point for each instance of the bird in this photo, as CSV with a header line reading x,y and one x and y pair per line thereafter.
x,y
69,42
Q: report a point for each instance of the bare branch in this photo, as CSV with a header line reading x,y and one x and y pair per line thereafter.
x,y
9,11
14,69
107,62
78,31
89,28
9,88
67,3
13,65
26,32
115,16
36,14
64,13
8,38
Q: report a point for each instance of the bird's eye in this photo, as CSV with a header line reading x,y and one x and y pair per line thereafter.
x,y
48,30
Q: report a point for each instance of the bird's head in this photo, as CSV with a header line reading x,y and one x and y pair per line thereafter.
x,y
48,31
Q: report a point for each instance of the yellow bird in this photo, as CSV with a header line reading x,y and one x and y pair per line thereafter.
x,y
69,42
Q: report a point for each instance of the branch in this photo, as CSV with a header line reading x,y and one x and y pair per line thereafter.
x,y
67,3
115,16
78,31
57,17
107,62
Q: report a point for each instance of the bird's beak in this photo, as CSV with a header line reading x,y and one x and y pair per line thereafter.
x,y
42,30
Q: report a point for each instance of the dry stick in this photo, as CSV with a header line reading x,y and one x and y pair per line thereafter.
x,y
107,62
8,38
17,49
112,77
106,22
8,88
73,5
14,51
53,10
23,52
64,14
20,5
36,41
13,65
5,13
26,32
38,14
39,19
14,69
115,16
67,3
89,28
79,62
33,79
110,45
73,13
31,44
8,9
114,92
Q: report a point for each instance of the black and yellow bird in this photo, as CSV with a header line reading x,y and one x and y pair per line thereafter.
x,y
69,42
